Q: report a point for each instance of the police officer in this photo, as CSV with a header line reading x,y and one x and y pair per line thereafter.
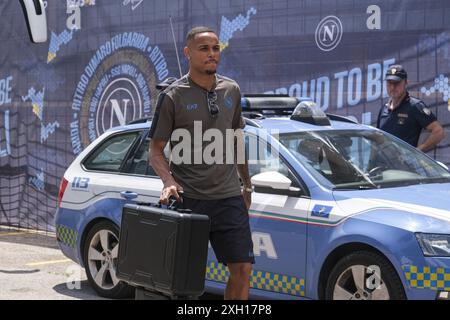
x,y
405,116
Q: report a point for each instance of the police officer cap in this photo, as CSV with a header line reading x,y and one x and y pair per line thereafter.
x,y
396,73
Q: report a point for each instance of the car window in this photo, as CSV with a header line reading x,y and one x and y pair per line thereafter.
x,y
109,155
139,163
362,159
262,158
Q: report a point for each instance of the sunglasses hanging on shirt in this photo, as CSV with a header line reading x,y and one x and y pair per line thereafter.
x,y
211,97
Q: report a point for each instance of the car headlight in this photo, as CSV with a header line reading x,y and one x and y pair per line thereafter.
x,y
434,245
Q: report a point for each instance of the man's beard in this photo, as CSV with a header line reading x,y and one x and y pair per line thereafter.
x,y
211,72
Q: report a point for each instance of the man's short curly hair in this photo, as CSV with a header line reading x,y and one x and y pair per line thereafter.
x,y
196,30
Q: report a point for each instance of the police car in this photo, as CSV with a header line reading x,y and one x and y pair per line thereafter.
x,y
340,210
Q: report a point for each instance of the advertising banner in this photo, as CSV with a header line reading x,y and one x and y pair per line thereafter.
x,y
103,58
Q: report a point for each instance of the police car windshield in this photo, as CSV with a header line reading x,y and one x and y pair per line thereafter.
x,y
362,159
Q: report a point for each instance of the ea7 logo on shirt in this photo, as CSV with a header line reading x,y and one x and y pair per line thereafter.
x,y
191,107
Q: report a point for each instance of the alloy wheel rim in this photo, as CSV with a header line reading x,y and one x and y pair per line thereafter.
x,y
102,259
359,283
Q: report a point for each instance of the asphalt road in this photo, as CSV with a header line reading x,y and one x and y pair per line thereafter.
x,y
33,268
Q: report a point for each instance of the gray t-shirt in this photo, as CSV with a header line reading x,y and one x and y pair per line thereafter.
x,y
183,104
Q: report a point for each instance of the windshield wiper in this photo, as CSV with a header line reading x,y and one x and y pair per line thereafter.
x,y
434,180
412,182
371,186
355,186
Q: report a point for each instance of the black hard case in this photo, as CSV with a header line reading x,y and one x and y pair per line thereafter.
x,y
163,250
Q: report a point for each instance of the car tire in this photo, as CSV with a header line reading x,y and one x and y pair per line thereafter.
x,y
364,275
100,260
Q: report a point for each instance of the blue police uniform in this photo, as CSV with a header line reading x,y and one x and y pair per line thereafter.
x,y
407,120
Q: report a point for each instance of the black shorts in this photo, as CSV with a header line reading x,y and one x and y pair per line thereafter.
x,y
230,234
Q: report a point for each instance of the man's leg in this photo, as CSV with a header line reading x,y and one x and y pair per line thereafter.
x,y
238,283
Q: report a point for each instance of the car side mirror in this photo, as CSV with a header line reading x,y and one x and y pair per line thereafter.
x,y
274,182
34,11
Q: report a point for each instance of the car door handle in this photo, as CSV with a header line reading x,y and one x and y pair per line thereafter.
x,y
128,195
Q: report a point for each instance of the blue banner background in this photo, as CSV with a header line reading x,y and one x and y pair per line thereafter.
x,y
106,56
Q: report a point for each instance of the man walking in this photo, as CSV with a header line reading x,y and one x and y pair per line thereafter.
x,y
200,101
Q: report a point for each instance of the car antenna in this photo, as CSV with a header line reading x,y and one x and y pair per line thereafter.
x,y
175,44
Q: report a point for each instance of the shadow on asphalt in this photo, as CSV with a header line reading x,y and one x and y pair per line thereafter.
x,y
19,271
85,292
49,241
32,239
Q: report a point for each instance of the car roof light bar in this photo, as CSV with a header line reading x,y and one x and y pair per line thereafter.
x,y
309,112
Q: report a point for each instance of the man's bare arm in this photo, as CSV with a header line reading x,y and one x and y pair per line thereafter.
x,y
244,175
161,166
242,167
437,133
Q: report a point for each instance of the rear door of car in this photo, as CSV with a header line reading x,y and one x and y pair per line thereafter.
x,y
117,171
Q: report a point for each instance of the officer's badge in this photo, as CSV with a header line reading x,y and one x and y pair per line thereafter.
x,y
426,111
402,118
393,71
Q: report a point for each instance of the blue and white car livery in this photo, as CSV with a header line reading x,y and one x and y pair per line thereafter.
x,y
340,210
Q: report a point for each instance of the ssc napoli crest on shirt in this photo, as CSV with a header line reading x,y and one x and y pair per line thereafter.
x,y
229,102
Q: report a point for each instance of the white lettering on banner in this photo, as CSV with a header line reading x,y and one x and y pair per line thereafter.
x,y
366,118
328,32
80,3
263,242
348,86
374,21
340,77
354,92
323,92
5,147
373,82
5,90
117,111
5,98
134,3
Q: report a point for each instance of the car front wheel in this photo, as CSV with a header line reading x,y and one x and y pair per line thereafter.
x,y
100,256
364,275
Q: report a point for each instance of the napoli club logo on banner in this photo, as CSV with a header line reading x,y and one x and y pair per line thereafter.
x,y
329,33
117,86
